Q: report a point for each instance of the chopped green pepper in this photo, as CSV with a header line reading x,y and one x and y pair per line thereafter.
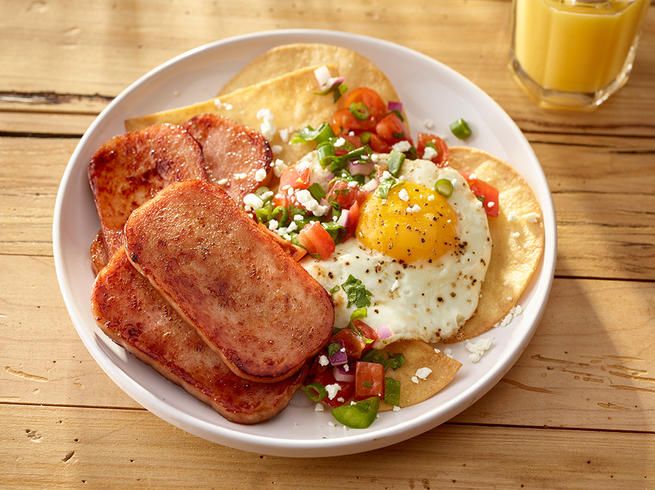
x,y
396,160
392,391
358,416
461,129
444,187
315,392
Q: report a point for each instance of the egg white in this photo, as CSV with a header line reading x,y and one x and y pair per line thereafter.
x,y
429,301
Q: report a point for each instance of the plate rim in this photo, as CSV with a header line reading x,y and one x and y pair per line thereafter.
x,y
354,442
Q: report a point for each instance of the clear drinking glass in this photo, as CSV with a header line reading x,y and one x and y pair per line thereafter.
x,y
574,53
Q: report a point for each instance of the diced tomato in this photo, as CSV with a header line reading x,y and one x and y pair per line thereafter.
x,y
369,97
344,121
353,219
378,145
297,179
343,194
367,332
316,240
391,129
488,194
354,344
353,140
369,380
345,392
281,199
440,146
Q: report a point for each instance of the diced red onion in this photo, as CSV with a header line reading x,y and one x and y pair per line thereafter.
x,y
384,332
394,105
341,375
325,84
322,75
339,358
360,168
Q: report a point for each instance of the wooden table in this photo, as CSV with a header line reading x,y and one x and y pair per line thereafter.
x,y
578,409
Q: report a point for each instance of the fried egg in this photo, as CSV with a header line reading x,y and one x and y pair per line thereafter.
x,y
422,256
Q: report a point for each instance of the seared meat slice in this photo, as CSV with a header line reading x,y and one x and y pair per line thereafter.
x,y
98,252
234,154
134,315
131,168
244,294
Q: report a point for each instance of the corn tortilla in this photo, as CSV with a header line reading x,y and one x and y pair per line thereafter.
x,y
418,355
357,70
517,236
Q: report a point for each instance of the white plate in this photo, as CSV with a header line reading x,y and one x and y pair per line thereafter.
x,y
429,90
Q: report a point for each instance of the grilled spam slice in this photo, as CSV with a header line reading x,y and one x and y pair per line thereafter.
x,y
131,168
236,157
244,294
98,252
134,315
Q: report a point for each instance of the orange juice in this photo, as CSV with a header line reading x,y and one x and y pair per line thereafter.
x,y
578,47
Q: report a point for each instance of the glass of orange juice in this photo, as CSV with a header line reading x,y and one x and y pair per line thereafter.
x,y
574,53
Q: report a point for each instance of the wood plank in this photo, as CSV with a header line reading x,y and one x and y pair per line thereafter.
x,y
69,55
44,123
596,373
615,239
70,447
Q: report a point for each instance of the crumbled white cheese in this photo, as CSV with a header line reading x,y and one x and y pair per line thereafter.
x,y
240,175
252,201
515,234
298,217
346,367
414,379
429,153
454,182
306,199
448,351
532,217
352,184
218,103
266,195
343,219
339,142
284,134
437,351
323,360
276,149
478,203
341,399
351,133
273,224
332,390
375,157
292,227
267,128
396,408
478,347
278,167
413,209
431,197
260,175
322,75
394,286
403,195
491,204
370,186
423,373
318,407
228,106
402,146
428,123
513,313
222,181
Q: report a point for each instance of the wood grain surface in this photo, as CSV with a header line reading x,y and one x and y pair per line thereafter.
x,y
577,409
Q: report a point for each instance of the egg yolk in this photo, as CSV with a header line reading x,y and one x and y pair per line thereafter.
x,y
408,225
